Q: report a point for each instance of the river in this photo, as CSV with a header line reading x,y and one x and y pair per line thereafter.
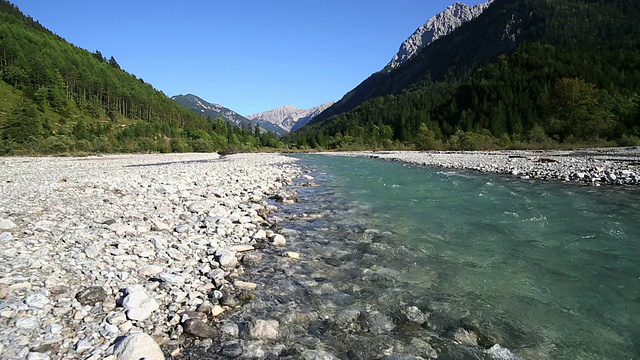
x,y
547,269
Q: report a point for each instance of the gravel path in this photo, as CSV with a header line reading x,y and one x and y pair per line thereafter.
x,y
139,248
617,166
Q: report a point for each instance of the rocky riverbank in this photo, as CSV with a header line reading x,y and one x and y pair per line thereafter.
x,y
614,166
133,250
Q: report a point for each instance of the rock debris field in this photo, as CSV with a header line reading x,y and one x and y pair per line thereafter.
x,y
110,257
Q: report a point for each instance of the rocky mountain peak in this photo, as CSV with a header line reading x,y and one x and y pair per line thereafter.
x,y
438,26
289,117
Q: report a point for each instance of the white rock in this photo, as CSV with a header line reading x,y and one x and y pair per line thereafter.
x,y
227,258
28,323
139,305
37,300
264,329
260,235
138,346
243,285
7,224
292,255
172,279
278,240
149,270
241,248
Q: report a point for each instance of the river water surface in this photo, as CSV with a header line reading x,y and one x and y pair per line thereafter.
x,y
546,269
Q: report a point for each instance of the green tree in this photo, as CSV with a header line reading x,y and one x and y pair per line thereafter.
x,y
23,124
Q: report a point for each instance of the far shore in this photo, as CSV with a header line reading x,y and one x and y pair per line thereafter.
x,y
596,166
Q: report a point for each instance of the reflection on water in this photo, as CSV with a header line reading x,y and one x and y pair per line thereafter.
x,y
546,269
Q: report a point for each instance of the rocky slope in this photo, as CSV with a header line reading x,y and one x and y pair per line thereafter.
x,y
288,117
205,108
438,26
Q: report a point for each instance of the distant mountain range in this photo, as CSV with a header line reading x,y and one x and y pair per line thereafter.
x,y
211,110
288,118
438,26
279,121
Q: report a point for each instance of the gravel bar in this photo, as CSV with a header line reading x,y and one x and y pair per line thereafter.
x,y
111,257
610,166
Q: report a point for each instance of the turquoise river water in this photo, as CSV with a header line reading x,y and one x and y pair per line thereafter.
x,y
550,270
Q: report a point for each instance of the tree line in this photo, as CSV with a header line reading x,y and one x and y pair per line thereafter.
x,y
60,98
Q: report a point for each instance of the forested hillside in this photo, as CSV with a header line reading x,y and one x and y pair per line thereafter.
x,y
56,98
526,72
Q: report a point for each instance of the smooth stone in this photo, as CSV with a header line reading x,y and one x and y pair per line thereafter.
x,y
186,315
122,229
232,350
318,355
199,207
199,329
243,285
149,270
37,300
6,224
181,228
292,255
227,258
172,279
230,329
92,251
29,323
139,305
264,329
91,295
260,235
241,248
217,310
82,346
160,226
278,240
136,347
37,356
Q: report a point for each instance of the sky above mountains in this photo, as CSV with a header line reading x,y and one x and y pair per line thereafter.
x,y
248,55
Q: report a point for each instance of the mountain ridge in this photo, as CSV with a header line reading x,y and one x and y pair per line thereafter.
x,y
546,73
436,27
288,117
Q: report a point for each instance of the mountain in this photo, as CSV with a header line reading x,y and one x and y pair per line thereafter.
x,y
452,18
288,118
438,26
210,110
523,73
58,98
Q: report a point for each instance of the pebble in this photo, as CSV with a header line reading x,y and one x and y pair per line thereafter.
x,y
7,224
37,300
91,295
278,240
199,329
139,304
243,285
292,255
138,346
264,329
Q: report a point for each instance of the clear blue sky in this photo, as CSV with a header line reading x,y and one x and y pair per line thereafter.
x,y
247,55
